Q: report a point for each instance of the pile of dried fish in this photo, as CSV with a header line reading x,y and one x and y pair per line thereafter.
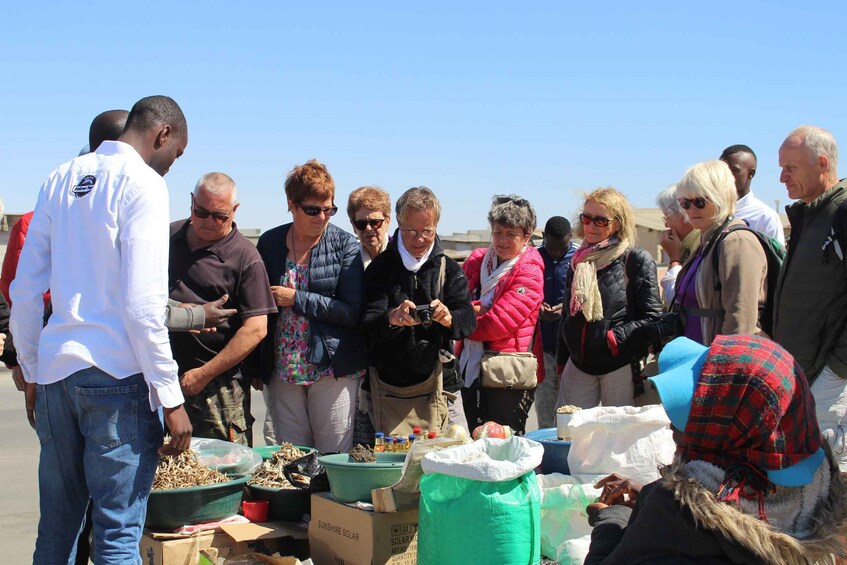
x,y
362,454
183,471
270,474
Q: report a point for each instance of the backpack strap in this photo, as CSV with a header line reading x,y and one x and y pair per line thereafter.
x,y
837,239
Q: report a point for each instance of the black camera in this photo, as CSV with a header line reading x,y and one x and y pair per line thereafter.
x,y
423,314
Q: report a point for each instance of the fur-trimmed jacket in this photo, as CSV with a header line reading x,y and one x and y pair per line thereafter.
x,y
676,520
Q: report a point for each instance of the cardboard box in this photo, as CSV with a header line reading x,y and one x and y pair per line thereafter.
x,y
232,540
343,535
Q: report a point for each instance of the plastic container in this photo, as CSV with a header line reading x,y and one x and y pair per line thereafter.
x,y
174,508
555,458
286,505
351,482
563,431
379,442
255,510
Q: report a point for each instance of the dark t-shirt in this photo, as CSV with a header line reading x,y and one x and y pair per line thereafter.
x,y
229,266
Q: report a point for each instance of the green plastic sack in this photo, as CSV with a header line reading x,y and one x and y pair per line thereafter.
x,y
465,521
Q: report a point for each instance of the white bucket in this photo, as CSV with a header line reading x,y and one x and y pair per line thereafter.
x,y
562,426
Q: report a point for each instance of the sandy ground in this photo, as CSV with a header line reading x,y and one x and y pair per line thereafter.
x,y
19,470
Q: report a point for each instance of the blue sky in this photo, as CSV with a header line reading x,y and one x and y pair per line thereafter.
x,y
546,100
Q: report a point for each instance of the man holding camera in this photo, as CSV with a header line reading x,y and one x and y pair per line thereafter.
x,y
416,304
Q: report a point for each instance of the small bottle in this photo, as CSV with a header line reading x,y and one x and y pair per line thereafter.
x,y
412,438
379,442
431,435
389,444
423,434
401,446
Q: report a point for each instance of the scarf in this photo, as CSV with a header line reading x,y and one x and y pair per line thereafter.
x,y
409,261
790,510
490,275
588,259
366,257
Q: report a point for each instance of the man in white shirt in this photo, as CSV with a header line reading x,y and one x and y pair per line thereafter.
x,y
102,365
757,214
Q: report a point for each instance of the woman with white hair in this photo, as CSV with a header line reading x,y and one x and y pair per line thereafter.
x,y
678,242
726,300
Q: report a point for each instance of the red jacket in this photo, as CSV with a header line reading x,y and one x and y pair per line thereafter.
x,y
13,252
511,322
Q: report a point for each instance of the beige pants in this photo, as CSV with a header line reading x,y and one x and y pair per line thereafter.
x,y
319,415
830,392
587,391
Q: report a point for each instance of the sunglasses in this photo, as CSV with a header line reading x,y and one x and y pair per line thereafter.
x,y
599,221
374,223
202,213
699,202
517,201
316,210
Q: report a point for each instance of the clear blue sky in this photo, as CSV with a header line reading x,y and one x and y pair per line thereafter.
x,y
544,99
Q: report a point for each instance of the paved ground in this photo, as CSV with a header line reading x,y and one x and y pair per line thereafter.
x,y
19,470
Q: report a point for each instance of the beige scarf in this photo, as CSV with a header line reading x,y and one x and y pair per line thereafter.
x,y
588,259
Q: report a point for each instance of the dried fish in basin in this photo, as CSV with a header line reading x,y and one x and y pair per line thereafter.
x,y
184,471
270,474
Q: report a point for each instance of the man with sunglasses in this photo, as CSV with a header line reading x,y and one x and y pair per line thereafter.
x,y
757,214
210,258
810,304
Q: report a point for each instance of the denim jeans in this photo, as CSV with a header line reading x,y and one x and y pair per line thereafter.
x,y
99,439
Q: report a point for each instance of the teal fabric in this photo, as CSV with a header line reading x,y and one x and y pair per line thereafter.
x,y
463,521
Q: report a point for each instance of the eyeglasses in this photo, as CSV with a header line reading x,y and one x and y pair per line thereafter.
x,y
427,233
202,213
316,210
374,223
699,202
599,221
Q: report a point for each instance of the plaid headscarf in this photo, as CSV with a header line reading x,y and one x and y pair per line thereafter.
x,y
752,410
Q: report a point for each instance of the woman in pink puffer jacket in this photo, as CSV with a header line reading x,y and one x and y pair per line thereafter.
x,y
506,281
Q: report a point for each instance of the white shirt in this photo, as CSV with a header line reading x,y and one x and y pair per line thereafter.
x,y
99,242
760,217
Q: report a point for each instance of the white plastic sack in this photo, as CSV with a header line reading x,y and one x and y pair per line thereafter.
x,y
488,459
224,456
628,440
565,533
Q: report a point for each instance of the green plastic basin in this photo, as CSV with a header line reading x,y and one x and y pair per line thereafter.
x,y
349,482
287,505
173,508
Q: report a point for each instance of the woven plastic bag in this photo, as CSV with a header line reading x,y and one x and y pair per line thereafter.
x,y
631,441
480,503
565,532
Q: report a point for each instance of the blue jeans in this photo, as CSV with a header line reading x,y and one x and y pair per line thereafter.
x,y
99,439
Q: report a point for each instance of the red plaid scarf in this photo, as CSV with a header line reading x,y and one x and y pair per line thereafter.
x,y
752,410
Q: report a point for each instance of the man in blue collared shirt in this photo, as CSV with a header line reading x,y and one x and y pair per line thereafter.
x,y
556,251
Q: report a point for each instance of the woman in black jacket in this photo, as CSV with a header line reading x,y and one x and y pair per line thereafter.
x,y
611,306
417,303
313,357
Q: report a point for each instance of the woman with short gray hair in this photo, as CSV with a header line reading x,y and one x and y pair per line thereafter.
x,y
506,281
678,242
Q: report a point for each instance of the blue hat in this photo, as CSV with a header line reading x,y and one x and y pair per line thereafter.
x,y
680,363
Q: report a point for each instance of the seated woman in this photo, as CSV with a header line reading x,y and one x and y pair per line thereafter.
x,y
726,300
369,210
313,357
506,281
416,303
751,482
612,306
